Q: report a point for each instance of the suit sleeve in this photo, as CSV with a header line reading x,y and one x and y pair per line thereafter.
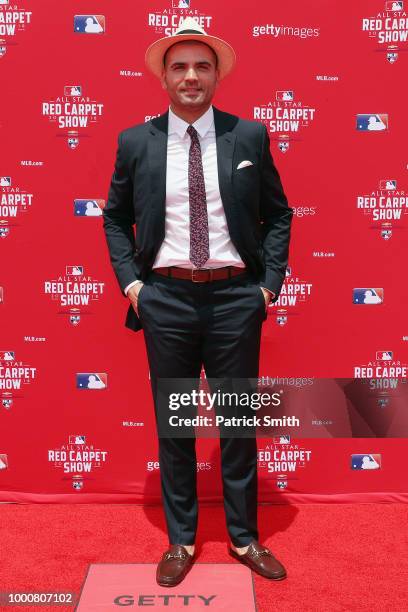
x,y
119,219
276,219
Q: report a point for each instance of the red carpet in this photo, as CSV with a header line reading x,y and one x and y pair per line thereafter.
x,y
339,557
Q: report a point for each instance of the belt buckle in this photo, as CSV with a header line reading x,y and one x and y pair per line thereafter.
x,y
198,270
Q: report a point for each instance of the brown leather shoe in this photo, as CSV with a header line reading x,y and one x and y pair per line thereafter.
x,y
174,565
261,560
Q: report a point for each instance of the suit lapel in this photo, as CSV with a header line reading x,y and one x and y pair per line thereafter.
x,y
157,157
226,140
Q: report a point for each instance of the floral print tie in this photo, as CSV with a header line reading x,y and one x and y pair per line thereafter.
x,y
199,240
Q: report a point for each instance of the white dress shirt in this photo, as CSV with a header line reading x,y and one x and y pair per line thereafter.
x,y
174,250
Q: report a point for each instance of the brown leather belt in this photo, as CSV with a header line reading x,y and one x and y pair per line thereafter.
x,y
200,275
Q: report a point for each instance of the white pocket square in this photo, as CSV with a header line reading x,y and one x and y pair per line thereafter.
x,y
244,164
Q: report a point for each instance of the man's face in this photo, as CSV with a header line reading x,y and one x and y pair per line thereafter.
x,y
190,75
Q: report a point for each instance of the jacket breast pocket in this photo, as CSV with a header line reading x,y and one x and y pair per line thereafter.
x,y
246,174
246,183
246,169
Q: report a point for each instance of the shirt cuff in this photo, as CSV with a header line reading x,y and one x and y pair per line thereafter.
x,y
269,291
126,289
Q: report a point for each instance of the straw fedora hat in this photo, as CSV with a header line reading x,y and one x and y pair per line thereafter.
x,y
190,30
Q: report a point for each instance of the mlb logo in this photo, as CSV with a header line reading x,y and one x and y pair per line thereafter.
x,y
285,439
91,380
394,6
7,402
283,146
77,485
88,208
384,355
281,320
7,356
89,24
366,462
392,57
285,95
76,439
74,270
180,3
5,181
72,90
3,50
3,462
288,271
383,401
388,185
386,234
368,295
372,123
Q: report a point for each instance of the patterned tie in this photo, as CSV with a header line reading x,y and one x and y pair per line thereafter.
x,y
199,241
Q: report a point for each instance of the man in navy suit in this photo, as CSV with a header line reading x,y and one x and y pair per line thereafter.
x,y
209,254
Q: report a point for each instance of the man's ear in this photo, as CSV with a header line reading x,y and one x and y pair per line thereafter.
x,y
163,80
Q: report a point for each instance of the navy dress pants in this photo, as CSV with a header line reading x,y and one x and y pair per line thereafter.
x,y
218,325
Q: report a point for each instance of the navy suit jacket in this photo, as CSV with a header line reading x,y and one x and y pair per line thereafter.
x,y
256,208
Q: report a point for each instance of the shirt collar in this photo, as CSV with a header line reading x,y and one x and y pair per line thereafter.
x,y
202,124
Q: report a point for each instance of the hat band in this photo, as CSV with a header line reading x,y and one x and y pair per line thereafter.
x,y
191,32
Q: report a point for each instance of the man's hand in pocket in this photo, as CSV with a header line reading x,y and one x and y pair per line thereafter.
x,y
133,295
268,296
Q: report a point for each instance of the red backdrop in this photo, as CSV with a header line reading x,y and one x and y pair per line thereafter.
x,y
307,69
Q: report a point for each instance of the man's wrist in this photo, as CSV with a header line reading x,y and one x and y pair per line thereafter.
x,y
271,293
132,284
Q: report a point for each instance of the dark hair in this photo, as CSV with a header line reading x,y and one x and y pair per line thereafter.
x,y
192,41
